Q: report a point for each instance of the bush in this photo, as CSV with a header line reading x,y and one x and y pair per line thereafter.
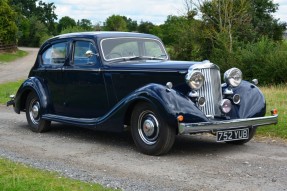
x,y
264,60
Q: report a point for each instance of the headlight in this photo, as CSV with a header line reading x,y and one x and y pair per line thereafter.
x,y
233,77
195,80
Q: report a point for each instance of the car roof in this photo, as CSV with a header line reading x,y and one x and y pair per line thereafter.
x,y
103,34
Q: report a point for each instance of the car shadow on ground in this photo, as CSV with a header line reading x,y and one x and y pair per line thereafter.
x,y
199,144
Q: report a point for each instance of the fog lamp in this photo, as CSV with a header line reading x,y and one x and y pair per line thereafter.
x,y
201,101
225,105
236,99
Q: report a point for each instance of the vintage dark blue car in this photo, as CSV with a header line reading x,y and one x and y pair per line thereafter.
x,y
115,81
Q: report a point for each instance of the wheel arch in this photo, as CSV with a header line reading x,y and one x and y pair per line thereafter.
x,y
31,85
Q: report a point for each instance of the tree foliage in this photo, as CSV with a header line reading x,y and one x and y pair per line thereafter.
x,y
8,28
34,20
115,23
65,22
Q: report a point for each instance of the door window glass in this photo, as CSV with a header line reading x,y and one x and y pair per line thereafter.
x,y
85,53
56,54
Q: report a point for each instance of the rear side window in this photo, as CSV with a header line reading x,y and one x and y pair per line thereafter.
x,y
56,54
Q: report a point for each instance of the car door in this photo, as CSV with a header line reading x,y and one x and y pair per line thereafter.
x,y
85,92
53,59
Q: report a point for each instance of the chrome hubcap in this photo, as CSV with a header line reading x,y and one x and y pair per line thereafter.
x,y
34,109
148,127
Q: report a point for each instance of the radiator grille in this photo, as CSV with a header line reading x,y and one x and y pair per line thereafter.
x,y
211,91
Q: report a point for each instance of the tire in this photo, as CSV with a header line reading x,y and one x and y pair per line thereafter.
x,y
252,132
151,134
33,114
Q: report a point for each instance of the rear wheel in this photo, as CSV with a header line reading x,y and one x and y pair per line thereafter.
x,y
252,132
34,116
151,134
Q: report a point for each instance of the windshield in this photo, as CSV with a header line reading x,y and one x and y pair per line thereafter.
x,y
132,48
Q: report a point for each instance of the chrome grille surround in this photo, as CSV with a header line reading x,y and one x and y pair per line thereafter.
x,y
211,89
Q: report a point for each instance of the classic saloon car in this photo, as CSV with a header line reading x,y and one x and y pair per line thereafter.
x,y
114,81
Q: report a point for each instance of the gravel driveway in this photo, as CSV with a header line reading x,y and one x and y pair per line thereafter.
x,y
194,163
18,69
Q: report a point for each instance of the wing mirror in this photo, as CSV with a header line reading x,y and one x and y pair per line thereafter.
x,y
89,54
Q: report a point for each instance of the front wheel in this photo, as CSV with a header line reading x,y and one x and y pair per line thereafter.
x,y
33,114
151,134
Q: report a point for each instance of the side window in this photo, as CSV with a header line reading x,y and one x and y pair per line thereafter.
x,y
80,57
56,54
152,48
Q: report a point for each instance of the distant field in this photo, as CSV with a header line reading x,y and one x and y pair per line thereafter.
x,y
275,98
8,57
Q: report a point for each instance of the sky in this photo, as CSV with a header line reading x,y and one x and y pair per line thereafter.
x,y
155,11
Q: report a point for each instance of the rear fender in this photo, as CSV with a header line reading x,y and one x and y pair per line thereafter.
x,y
35,85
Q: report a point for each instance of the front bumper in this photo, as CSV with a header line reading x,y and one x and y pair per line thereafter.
x,y
187,128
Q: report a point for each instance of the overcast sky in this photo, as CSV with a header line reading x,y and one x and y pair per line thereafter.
x,y
155,11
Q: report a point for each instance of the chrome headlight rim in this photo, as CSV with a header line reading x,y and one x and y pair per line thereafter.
x,y
195,80
233,77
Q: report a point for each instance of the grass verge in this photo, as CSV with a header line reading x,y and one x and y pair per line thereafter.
x,y
15,176
8,57
275,98
7,89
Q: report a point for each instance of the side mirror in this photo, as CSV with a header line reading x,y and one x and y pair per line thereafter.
x,y
89,54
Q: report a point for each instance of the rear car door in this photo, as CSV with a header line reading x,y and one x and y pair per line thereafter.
x,y
53,58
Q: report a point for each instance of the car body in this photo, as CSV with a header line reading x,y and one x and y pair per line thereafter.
x,y
114,81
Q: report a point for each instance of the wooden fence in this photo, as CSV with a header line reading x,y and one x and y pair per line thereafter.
x,y
7,47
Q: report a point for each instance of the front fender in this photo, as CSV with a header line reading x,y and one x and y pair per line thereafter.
x,y
35,85
168,102
252,102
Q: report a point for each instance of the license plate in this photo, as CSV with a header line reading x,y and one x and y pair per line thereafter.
x,y
232,135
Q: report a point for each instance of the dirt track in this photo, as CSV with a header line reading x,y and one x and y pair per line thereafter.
x,y
194,163
20,68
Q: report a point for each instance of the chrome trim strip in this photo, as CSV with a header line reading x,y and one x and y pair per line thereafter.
x,y
186,128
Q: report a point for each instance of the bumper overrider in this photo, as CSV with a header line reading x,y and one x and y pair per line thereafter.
x,y
213,126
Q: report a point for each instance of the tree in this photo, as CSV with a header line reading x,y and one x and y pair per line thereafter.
x,y
66,22
263,21
45,12
223,19
86,24
37,31
8,28
183,37
115,23
131,24
145,27
26,7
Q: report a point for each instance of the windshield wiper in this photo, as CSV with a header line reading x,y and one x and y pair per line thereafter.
x,y
137,58
153,58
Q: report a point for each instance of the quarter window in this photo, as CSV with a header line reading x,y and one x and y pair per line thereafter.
x,y
56,54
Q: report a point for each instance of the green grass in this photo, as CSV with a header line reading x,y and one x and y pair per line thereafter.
x,y
7,89
8,57
276,97
15,176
